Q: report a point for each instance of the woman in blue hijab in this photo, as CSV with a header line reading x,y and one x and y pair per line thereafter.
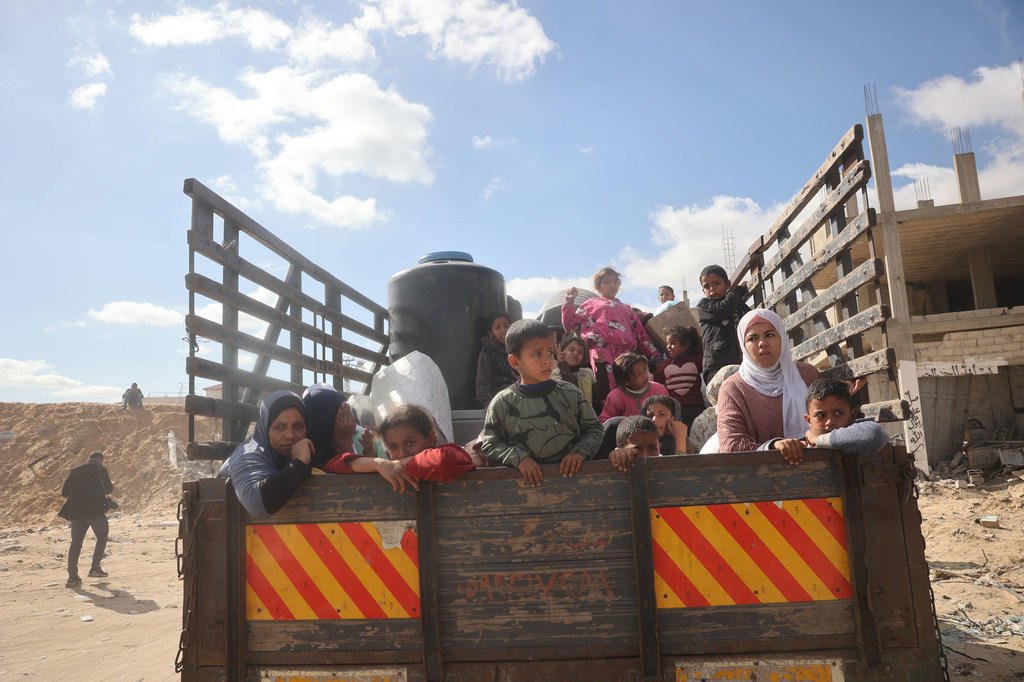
x,y
267,467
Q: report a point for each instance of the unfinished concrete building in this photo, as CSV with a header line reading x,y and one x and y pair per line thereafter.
x,y
955,276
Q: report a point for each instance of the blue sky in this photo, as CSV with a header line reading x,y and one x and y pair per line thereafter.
x,y
545,138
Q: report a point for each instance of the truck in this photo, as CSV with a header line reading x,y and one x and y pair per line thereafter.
x,y
718,567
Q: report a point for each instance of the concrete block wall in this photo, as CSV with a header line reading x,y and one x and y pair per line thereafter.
x,y
1004,342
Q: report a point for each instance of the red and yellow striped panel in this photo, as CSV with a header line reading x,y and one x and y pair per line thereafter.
x,y
750,553
320,571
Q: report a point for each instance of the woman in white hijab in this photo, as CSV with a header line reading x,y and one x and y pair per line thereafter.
x,y
766,399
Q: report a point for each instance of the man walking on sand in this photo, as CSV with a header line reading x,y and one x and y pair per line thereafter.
x,y
86,488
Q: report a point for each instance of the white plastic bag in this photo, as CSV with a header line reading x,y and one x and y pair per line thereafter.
x,y
413,380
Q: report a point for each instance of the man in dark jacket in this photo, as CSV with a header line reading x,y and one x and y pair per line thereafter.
x,y
86,488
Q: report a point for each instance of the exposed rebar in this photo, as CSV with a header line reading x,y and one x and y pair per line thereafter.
x,y
871,99
961,139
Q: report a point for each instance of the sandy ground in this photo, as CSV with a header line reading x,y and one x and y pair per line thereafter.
x,y
132,619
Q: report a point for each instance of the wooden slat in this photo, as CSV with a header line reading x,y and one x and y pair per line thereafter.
x,y
713,479
837,198
242,341
337,641
862,224
878,361
887,411
199,192
209,450
220,255
218,292
852,137
868,271
764,627
858,324
207,369
211,407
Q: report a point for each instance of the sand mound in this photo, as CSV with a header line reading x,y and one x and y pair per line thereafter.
x,y
41,442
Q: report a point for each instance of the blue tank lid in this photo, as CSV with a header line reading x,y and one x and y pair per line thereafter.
x,y
442,256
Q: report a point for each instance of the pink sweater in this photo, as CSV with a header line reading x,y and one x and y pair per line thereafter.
x,y
748,419
624,403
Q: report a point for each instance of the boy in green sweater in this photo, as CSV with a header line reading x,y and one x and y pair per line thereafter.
x,y
537,420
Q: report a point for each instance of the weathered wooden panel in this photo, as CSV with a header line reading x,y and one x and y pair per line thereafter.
x,y
201,326
338,637
200,193
210,617
741,477
218,254
844,239
501,492
218,292
858,324
851,140
528,538
868,271
341,498
760,628
239,377
211,407
854,179
885,564
878,361
887,411
209,450
571,606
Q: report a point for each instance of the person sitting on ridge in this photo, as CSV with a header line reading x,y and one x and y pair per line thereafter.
x,y
132,398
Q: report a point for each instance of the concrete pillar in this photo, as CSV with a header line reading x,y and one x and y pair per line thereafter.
x,y
983,282
926,203
966,169
898,327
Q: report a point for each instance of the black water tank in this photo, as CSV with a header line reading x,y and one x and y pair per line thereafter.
x,y
440,308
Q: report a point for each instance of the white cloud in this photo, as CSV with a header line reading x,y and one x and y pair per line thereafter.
x,y
226,187
990,97
537,290
191,26
586,151
129,312
502,35
37,374
492,188
94,61
84,97
687,239
352,125
317,41
308,122
487,142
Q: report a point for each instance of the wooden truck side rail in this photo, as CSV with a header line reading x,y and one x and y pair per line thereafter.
x,y
680,564
308,307
830,260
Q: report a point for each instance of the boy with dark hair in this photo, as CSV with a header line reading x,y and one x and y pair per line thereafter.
x,y
718,313
832,425
537,420
636,436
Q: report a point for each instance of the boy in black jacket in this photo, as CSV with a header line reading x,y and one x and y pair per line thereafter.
x,y
718,313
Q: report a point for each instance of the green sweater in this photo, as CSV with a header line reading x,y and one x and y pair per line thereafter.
x,y
547,422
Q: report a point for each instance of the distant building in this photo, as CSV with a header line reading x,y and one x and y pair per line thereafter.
x,y
955,326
